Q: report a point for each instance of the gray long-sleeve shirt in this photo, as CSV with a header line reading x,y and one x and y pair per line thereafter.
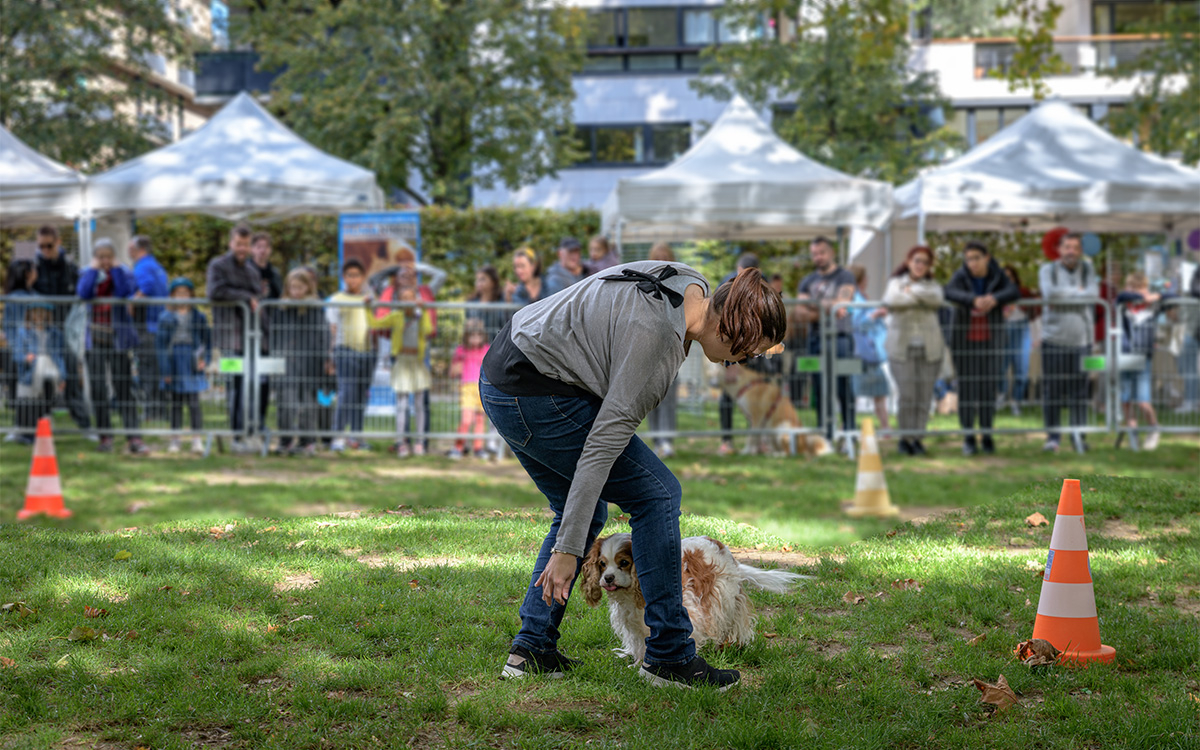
x,y
618,342
1067,321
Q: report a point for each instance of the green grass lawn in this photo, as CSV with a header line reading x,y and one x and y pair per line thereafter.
x,y
361,601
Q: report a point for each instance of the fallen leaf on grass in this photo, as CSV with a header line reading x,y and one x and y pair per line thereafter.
x,y
977,639
1036,519
1028,603
890,534
82,633
301,617
269,528
219,532
17,607
1000,694
7,663
414,584
906,585
1036,652
852,598
878,594
272,628
165,588
122,555
770,635
1192,697
94,612
325,524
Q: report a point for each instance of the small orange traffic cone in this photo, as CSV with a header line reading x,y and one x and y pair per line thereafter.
x,y
43,494
1066,615
871,496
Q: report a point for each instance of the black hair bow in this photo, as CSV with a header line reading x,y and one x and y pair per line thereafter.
x,y
650,285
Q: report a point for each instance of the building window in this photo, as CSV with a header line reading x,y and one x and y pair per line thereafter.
x,y
652,27
699,27
1133,16
627,145
603,28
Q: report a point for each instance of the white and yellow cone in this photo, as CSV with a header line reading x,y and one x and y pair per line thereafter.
x,y
871,496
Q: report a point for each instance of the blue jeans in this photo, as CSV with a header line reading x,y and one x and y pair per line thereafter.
x,y
844,383
354,370
1017,346
547,433
1187,369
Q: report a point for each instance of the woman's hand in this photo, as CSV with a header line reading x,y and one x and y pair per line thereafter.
x,y
556,578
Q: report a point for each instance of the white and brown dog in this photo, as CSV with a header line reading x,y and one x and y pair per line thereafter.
x,y
767,407
716,603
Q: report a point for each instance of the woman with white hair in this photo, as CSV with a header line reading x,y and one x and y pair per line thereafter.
x,y
110,344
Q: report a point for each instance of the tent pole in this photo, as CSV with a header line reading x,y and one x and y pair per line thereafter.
x,y
887,251
843,251
921,227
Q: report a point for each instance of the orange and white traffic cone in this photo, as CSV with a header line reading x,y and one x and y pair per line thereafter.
x,y
1066,615
43,494
871,496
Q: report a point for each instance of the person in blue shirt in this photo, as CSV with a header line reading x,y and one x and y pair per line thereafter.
x,y
111,342
37,350
151,281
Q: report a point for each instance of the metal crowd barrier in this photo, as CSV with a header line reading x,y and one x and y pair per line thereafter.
x,y
302,376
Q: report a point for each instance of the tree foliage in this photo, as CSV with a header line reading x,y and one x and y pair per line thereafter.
x,y
1165,109
1033,57
858,107
52,56
436,97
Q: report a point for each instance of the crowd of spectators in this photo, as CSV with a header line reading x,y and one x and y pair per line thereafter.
x,y
150,361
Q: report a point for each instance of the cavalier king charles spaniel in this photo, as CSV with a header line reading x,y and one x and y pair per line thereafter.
x,y
716,603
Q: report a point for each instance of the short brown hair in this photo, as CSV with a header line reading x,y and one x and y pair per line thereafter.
x,y
748,310
239,230
1070,236
859,272
662,251
48,230
260,236
1137,280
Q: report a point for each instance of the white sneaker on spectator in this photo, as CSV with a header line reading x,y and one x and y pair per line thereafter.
x,y
197,445
92,437
173,446
454,454
1050,446
1151,441
12,437
1188,407
339,445
403,451
418,449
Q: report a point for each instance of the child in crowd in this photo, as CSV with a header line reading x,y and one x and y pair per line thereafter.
x,y
300,335
465,365
183,344
1139,314
411,328
40,369
353,358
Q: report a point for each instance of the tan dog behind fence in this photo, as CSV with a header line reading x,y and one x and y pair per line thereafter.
x,y
767,407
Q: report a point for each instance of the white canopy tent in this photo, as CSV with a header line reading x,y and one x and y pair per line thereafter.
x,y
1055,166
742,182
243,162
33,188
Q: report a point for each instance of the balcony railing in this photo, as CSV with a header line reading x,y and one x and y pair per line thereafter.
x,y
225,74
1081,55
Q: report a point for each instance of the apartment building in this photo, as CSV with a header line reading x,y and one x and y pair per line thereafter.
x,y
635,111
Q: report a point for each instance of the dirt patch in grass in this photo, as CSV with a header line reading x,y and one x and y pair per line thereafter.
x,y
1115,528
918,515
80,742
829,649
296,582
207,736
504,472
757,557
409,563
325,509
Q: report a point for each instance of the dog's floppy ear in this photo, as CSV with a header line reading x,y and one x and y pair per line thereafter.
x,y
590,574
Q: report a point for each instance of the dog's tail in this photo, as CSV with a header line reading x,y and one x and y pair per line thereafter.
x,y
778,581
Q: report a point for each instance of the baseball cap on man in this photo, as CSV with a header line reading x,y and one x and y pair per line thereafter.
x,y
570,243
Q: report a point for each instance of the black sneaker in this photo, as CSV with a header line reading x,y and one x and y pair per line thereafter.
x,y
969,447
906,448
690,675
919,448
989,445
522,662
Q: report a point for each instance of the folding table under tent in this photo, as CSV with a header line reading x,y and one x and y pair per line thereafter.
x,y
742,182
243,162
33,188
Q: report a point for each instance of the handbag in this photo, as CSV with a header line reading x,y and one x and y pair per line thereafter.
x,y
865,348
44,371
75,329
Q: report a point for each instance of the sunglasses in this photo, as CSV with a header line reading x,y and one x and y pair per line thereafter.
x,y
48,246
